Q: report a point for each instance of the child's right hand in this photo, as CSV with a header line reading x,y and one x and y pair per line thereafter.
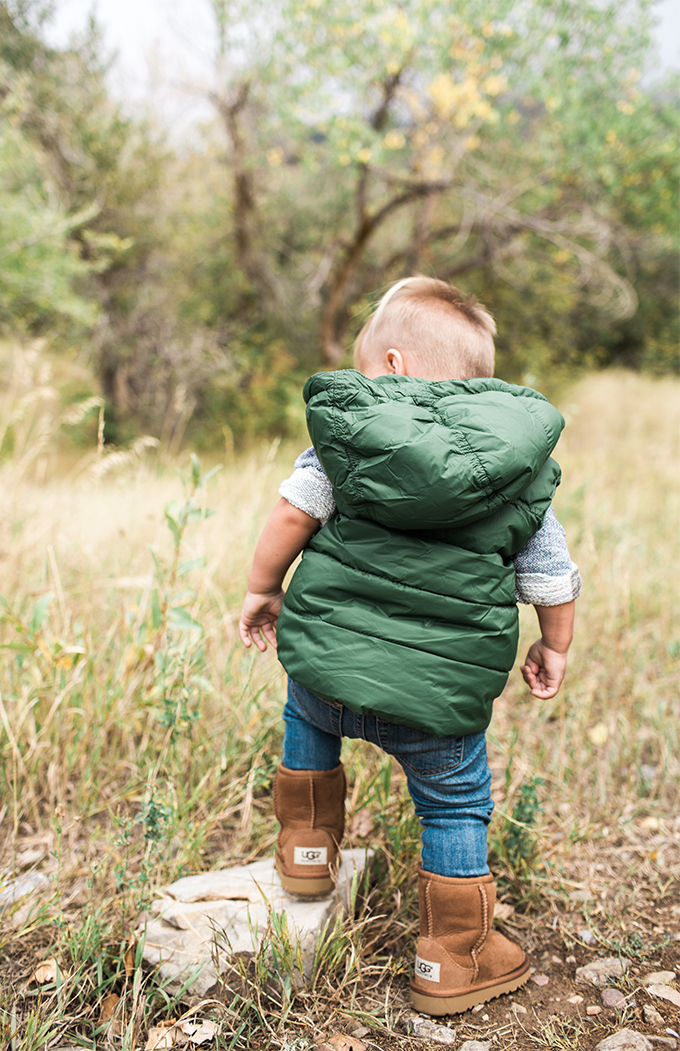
x,y
258,619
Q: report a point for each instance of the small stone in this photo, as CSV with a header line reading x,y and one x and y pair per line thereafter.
x,y
664,992
575,1000
485,1018
659,978
340,1042
625,1040
557,959
614,998
593,1010
651,1015
361,1030
664,1041
571,959
13,890
477,1009
587,936
601,972
518,1009
475,1045
540,979
424,1029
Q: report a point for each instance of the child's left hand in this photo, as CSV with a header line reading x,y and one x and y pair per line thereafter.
x,y
544,670
258,619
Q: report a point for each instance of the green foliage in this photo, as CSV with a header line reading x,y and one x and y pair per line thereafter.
x,y
514,842
524,152
39,266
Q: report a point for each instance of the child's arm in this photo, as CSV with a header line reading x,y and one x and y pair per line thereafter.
x,y
546,660
284,536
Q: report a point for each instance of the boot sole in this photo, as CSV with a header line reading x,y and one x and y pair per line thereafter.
x,y
305,888
463,1001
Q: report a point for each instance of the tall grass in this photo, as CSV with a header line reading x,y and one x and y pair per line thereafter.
x,y
138,739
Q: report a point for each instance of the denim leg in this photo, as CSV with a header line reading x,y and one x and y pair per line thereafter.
x,y
309,742
450,783
448,777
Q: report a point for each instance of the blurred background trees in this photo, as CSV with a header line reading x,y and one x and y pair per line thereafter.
x,y
521,151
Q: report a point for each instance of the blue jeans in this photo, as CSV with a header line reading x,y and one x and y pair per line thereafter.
x,y
448,777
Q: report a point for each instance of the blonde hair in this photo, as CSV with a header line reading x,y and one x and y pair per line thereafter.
x,y
448,333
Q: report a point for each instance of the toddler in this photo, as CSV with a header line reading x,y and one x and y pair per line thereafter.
x,y
423,511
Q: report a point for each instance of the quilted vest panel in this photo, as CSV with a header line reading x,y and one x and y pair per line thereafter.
x,y
403,604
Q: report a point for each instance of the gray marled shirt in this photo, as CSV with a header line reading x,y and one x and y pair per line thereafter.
x,y
545,573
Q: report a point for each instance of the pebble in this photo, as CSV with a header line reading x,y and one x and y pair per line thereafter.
x,y
625,1040
518,1009
593,1010
651,1015
575,1000
581,895
424,1029
664,992
600,972
614,998
556,959
475,1045
587,936
361,1030
659,978
540,979
571,959
477,1009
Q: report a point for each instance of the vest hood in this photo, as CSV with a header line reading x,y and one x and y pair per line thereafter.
x,y
414,454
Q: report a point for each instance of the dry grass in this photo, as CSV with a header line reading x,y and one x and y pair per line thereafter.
x,y
131,754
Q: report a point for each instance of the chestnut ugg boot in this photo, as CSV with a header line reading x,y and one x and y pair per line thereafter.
x,y
460,960
310,807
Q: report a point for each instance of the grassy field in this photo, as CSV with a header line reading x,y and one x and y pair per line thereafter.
x,y
138,741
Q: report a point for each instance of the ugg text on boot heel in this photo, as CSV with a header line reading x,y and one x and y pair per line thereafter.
x,y
428,970
310,855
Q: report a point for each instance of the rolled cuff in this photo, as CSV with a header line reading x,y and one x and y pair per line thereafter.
x,y
541,589
310,491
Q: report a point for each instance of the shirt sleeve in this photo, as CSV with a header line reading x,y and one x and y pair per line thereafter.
x,y
308,487
546,575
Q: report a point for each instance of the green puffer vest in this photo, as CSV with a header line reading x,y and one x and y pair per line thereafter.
x,y
403,605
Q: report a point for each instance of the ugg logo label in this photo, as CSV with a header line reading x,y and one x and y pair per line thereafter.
x,y
427,969
310,855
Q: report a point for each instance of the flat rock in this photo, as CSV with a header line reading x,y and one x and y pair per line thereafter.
x,y
425,1029
659,978
601,972
475,1045
665,992
651,1015
200,921
625,1040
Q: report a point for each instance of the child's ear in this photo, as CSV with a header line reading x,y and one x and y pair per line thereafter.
x,y
396,365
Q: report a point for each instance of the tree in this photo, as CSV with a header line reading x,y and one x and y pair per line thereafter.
x,y
398,137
